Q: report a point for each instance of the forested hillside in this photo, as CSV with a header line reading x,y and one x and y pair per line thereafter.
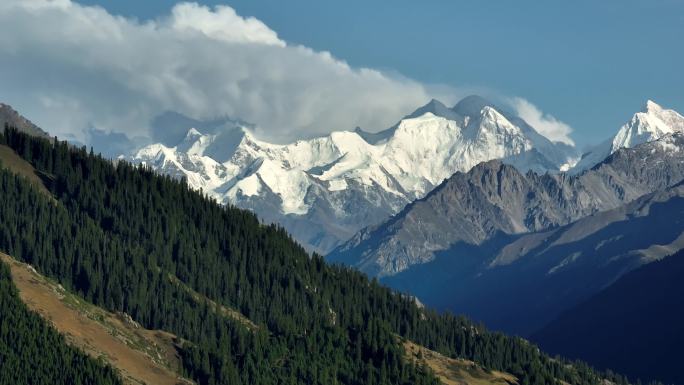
x,y
129,240
31,352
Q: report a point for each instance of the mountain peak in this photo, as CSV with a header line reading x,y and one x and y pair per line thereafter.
x,y
193,133
436,103
472,105
671,118
171,127
436,108
652,107
327,188
651,123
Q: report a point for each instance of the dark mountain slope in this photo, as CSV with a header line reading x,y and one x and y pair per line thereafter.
x,y
636,325
519,283
129,240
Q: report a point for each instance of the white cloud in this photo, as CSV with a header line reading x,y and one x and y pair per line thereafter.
x,y
545,124
69,67
222,23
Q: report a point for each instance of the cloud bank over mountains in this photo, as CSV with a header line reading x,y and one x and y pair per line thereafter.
x,y
545,124
72,68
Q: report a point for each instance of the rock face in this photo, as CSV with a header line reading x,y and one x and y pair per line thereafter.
x,y
324,190
534,277
494,198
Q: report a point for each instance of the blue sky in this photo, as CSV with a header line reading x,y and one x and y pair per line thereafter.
x,y
589,63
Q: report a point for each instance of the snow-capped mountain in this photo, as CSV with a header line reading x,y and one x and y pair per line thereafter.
x,y
651,123
490,199
325,189
514,249
497,200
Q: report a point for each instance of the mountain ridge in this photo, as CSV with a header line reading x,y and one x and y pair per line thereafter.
x,y
320,189
494,197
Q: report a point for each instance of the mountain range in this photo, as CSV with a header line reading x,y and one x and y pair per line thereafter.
x,y
324,190
514,249
494,199
455,205
518,283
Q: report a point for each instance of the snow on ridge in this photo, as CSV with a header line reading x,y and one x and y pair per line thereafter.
x,y
343,173
422,152
652,123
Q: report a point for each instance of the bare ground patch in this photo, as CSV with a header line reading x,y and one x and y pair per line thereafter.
x,y
142,356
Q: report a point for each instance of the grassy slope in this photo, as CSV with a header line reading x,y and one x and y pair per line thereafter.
x,y
453,371
141,356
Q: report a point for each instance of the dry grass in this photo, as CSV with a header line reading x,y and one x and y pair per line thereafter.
x,y
455,371
13,162
142,356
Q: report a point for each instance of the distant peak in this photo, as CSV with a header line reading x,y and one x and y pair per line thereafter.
x,y
652,106
436,108
433,106
493,166
472,105
489,110
193,132
435,103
